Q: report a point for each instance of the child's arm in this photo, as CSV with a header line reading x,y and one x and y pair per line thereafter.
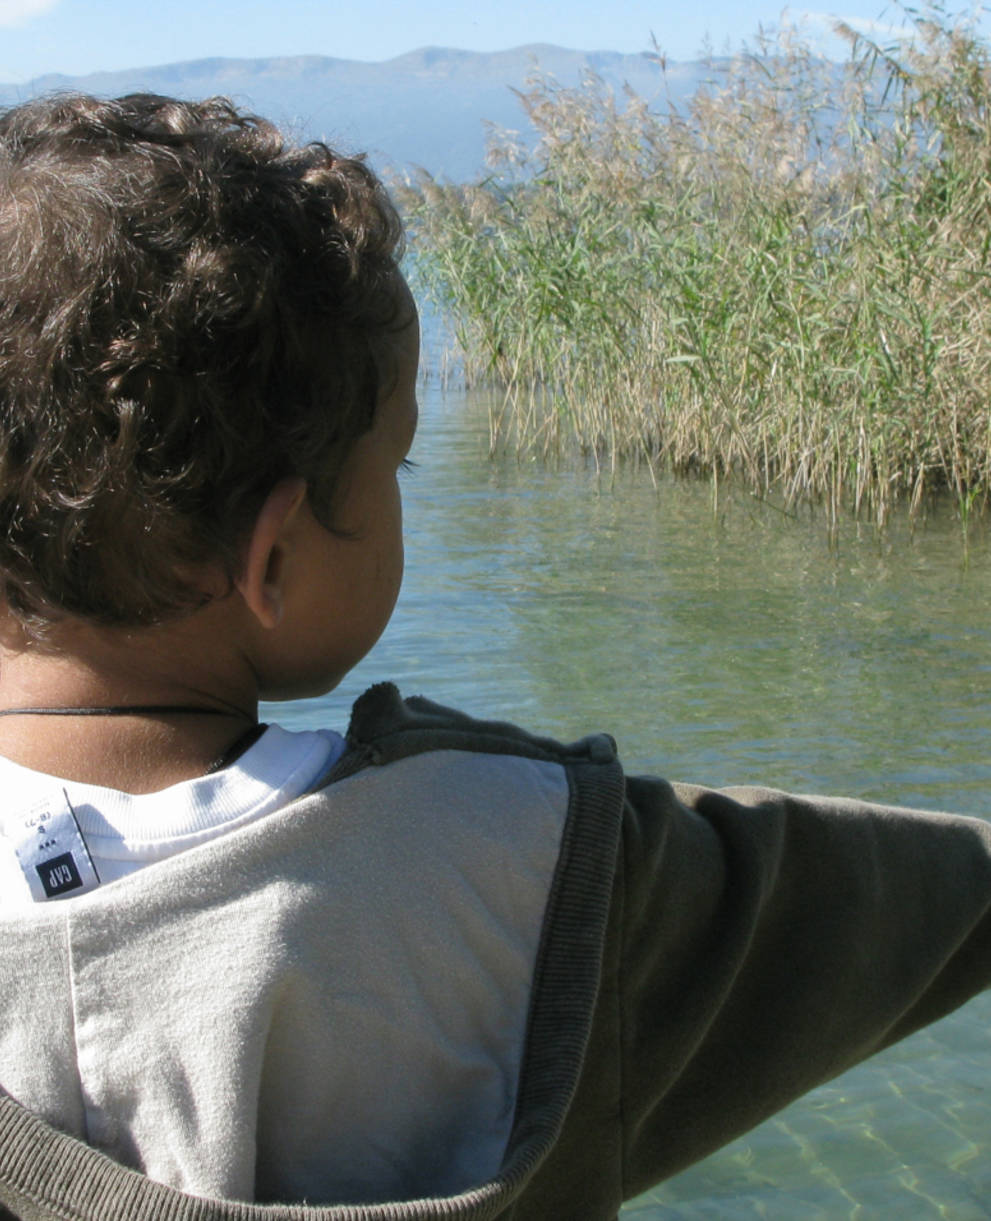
x,y
762,943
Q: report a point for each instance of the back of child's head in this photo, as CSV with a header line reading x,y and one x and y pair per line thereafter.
x,y
191,308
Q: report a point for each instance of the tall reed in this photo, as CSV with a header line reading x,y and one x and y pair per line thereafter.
x,y
787,279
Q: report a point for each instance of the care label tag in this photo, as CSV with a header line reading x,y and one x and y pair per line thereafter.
x,y
51,850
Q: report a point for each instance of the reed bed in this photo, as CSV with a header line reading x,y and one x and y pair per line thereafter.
x,y
786,280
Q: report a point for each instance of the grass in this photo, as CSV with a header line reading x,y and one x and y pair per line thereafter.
x,y
788,281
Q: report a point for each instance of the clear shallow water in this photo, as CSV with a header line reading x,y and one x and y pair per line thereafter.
x,y
724,644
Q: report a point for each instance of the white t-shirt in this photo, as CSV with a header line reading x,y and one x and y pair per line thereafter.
x,y
59,838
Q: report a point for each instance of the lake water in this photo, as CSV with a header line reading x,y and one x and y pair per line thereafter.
x,y
723,641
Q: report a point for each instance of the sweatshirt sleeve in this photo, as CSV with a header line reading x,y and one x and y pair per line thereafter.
x,y
768,942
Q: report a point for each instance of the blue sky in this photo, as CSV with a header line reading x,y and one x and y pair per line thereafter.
x,y
79,36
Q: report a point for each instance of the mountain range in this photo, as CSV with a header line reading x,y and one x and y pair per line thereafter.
x,y
427,108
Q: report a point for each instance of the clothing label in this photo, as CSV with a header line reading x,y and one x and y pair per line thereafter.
x,y
51,850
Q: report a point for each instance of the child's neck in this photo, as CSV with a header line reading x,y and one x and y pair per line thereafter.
x,y
202,704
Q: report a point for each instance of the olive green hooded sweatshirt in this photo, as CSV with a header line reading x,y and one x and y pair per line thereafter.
x,y
476,974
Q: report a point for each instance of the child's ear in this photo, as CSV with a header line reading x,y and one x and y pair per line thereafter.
x,y
260,583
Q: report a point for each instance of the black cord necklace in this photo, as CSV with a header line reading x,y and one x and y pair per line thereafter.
x,y
233,752
126,710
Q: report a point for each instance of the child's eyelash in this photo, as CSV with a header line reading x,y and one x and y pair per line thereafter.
x,y
408,466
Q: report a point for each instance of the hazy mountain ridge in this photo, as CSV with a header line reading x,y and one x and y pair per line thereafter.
x,y
427,107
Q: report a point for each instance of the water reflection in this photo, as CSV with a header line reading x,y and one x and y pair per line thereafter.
x,y
723,645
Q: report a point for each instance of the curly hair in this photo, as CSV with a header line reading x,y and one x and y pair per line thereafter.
x,y
191,308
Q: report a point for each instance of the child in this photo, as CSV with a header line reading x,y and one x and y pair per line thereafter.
x,y
439,968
